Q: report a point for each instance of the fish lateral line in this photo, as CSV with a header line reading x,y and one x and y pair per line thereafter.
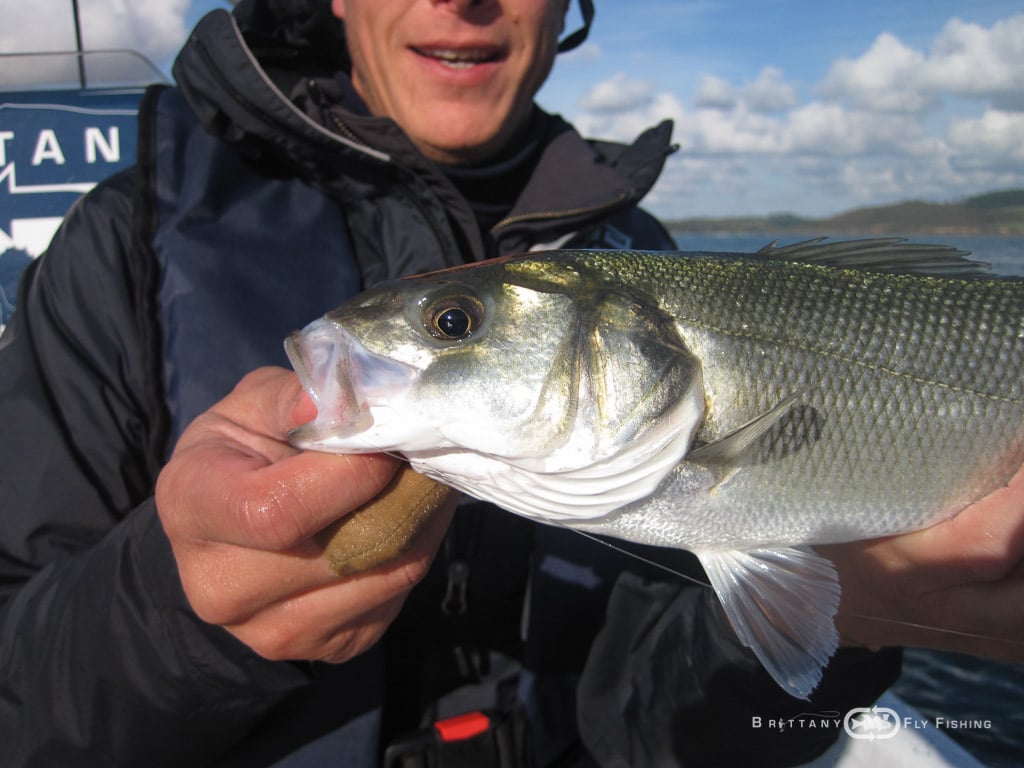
x,y
852,361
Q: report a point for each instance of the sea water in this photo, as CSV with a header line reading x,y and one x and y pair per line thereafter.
x,y
1005,255
977,702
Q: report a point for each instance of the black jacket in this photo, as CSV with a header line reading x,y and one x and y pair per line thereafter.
x,y
252,209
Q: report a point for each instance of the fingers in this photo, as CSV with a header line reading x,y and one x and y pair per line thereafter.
x,y
234,478
972,618
230,585
344,616
983,543
948,587
272,506
241,508
980,619
270,399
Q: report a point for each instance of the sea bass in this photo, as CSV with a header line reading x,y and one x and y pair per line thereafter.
x,y
740,406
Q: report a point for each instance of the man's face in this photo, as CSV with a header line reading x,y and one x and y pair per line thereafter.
x,y
459,76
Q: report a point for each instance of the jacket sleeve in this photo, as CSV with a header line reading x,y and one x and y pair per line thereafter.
x,y
101,660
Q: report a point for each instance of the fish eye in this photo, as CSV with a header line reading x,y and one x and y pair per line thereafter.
x,y
455,323
454,318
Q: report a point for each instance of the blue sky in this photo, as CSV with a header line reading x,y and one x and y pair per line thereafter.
x,y
780,105
808,107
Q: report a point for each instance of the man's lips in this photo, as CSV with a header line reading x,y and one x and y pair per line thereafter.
x,y
459,57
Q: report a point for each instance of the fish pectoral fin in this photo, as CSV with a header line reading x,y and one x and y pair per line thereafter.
x,y
782,431
782,604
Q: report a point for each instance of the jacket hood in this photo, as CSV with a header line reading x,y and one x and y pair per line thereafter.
x,y
302,35
243,73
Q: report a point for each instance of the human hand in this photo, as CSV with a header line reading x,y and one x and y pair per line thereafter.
x,y
241,508
957,586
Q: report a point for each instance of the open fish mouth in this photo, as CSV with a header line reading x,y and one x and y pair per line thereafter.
x,y
345,381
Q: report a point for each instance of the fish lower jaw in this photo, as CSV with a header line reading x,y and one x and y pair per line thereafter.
x,y
369,429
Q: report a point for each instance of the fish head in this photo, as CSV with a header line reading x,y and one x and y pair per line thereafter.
x,y
433,363
529,362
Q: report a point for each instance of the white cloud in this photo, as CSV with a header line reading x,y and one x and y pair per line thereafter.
x,y
43,25
626,123
769,92
964,60
824,129
722,126
970,60
619,94
994,139
714,132
885,78
831,129
894,123
154,29
715,93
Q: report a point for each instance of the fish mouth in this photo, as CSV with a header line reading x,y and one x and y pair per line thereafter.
x,y
345,381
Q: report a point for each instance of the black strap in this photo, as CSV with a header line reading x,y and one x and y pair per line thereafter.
x,y
577,37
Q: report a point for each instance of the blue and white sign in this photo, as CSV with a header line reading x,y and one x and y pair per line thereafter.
x,y
54,146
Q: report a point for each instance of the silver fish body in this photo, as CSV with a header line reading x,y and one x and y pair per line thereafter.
x,y
741,406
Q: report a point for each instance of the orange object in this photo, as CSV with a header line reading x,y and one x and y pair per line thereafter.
x,y
462,727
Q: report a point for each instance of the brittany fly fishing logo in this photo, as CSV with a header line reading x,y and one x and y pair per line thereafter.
x,y
805,721
872,723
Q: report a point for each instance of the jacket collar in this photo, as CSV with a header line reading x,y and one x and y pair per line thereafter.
x,y
242,74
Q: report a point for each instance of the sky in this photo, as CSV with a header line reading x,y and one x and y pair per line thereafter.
x,y
795,106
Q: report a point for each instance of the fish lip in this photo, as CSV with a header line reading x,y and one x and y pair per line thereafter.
x,y
344,380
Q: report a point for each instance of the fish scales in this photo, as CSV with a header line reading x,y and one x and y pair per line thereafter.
x,y
741,406
917,380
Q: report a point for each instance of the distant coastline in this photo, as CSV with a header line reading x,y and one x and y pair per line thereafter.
x,y
995,213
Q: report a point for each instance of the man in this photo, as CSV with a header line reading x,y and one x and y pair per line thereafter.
x,y
165,600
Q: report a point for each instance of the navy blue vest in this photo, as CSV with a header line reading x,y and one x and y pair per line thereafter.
x,y
244,260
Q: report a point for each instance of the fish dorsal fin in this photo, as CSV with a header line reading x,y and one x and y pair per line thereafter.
x,y
782,605
884,254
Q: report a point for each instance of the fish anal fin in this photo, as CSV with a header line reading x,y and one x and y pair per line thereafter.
x,y
782,604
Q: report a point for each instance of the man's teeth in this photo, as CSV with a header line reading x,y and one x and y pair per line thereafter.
x,y
458,59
